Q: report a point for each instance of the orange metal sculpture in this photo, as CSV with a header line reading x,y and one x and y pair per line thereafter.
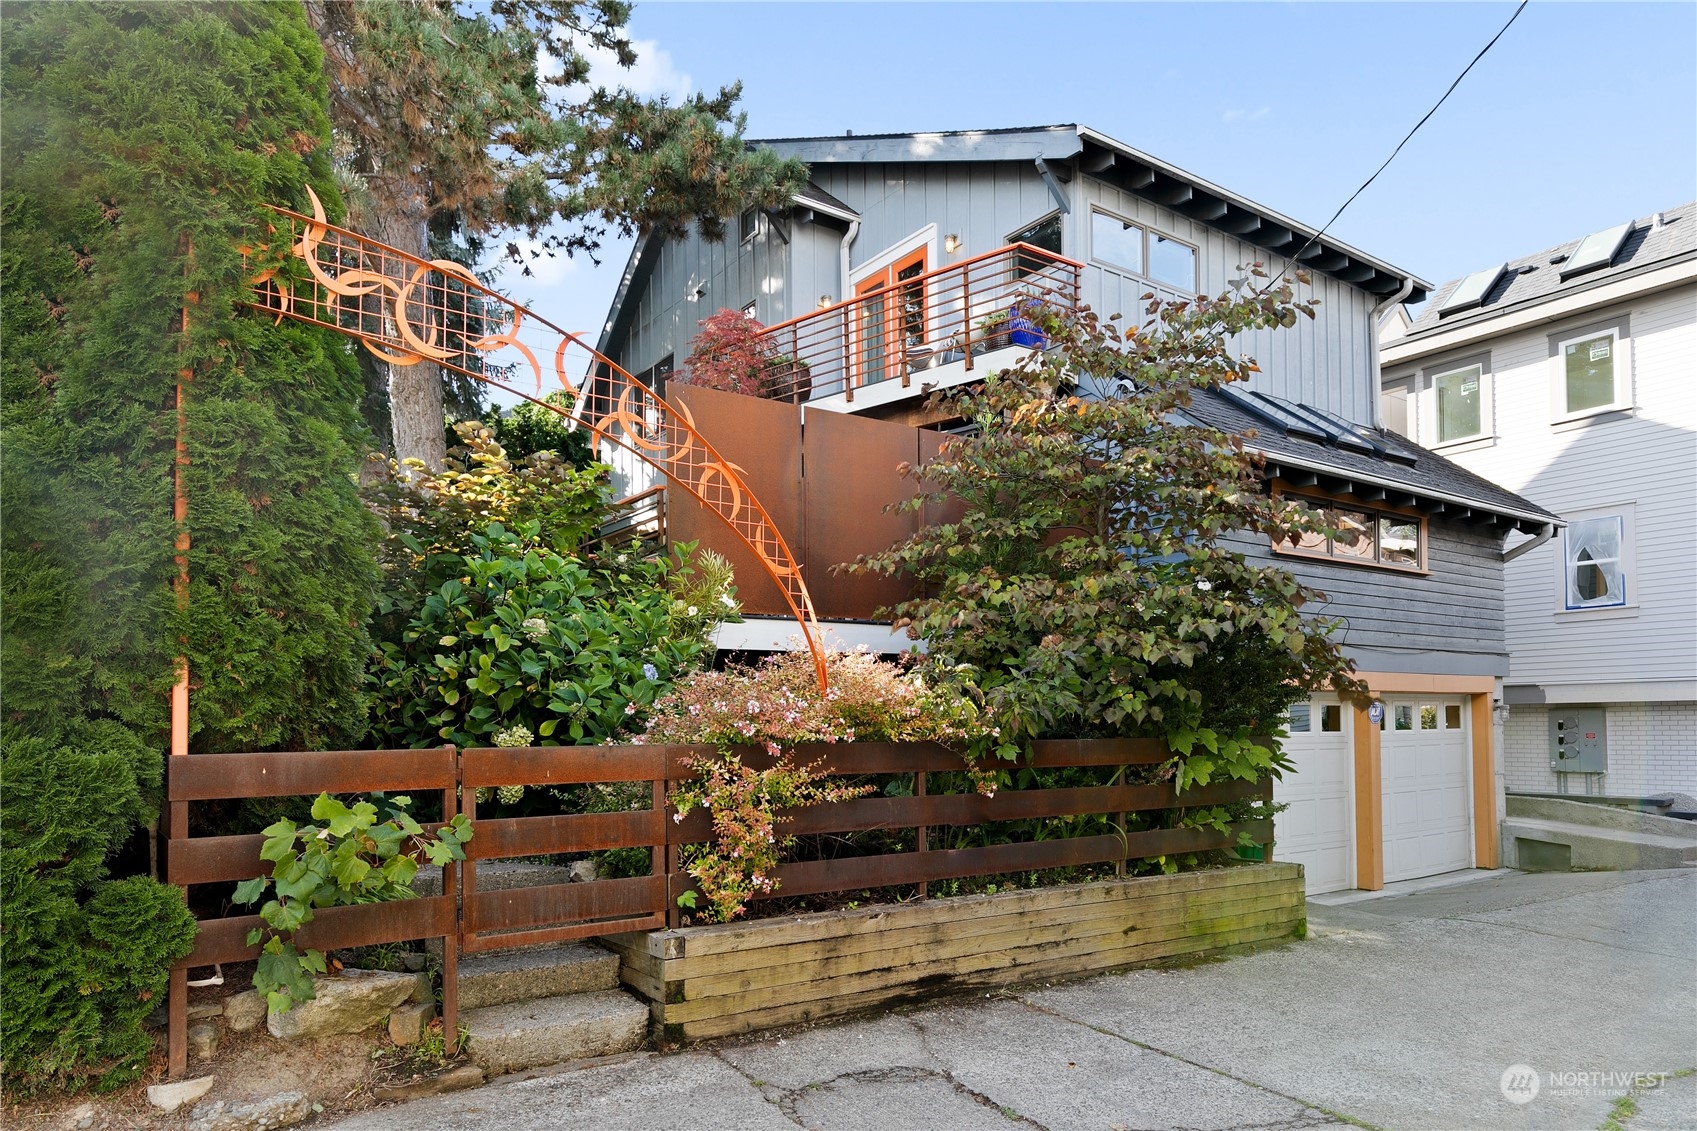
x,y
406,310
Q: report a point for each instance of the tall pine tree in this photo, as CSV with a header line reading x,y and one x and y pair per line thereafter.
x,y
467,118
139,141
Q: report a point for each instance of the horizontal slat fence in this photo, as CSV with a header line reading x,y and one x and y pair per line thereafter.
x,y
471,920
222,859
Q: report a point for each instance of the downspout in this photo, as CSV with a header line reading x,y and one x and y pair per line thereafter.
x,y
1532,543
848,239
1377,319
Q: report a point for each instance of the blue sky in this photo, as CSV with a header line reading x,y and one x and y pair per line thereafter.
x,y
1582,116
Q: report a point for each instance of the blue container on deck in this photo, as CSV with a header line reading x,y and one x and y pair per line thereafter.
x,y
1022,331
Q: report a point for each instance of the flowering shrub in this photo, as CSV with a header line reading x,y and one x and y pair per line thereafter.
x,y
778,704
520,637
741,862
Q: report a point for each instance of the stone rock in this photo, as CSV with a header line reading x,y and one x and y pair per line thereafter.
x,y
408,1022
423,992
349,1002
158,1019
170,1097
203,1040
453,1080
584,872
413,961
205,1010
283,1110
244,1011
83,1117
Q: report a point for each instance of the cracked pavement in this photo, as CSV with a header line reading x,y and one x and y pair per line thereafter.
x,y
1397,1012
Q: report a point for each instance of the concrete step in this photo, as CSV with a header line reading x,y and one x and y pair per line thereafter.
x,y
1600,816
527,1034
1536,844
523,975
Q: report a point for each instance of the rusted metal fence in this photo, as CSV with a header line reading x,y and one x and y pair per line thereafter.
x,y
468,919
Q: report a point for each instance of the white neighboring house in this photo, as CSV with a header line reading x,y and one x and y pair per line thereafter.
x,y
1570,378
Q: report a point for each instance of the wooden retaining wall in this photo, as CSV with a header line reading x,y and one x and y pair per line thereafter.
x,y
736,977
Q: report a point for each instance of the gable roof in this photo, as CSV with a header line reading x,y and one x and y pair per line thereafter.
x,y
1371,457
1134,171
1653,241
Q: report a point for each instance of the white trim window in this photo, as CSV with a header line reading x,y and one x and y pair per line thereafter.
x,y
1461,404
1597,562
1128,246
1593,372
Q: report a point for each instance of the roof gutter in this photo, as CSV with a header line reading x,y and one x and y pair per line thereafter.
x,y
1283,460
843,253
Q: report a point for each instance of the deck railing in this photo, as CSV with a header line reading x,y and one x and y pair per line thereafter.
x,y
953,314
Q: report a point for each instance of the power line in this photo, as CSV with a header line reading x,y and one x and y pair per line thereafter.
x,y
1312,240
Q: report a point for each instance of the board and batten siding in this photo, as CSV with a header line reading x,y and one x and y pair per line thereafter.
x,y
1447,622
1326,362
729,275
1643,462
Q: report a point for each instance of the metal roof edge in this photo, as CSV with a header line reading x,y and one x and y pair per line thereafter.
x,y
1281,459
1307,232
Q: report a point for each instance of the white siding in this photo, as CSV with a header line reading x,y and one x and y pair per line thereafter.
x,y
1645,460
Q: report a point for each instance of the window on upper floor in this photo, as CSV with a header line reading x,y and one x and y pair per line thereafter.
x,y
1591,370
1597,561
1590,378
1045,233
1172,262
1128,246
748,223
1361,536
1458,402
1116,242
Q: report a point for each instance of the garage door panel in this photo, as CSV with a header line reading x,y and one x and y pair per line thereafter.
x,y
1315,831
1426,801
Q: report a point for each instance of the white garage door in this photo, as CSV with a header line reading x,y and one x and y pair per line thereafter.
x,y
1317,830
1428,797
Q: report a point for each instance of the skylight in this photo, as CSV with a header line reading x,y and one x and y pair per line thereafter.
x,y
1597,250
1472,290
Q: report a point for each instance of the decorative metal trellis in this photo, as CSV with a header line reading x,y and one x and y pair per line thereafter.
x,y
408,310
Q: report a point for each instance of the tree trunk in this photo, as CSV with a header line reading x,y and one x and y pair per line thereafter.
x,y
415,391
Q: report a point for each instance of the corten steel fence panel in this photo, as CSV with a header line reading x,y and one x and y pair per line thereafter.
x,y
763,439
925,813
191,860
560,911
852,482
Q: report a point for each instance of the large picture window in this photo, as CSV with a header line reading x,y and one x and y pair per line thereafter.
x,y
1595,559
1361,536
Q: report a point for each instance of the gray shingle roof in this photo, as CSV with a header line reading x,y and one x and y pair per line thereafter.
x,y
1537,278
1403,465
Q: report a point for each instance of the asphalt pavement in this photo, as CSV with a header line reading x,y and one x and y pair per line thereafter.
x,y
1506,1001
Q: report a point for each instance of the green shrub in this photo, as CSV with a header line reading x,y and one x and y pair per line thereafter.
x,y
523,637
85,958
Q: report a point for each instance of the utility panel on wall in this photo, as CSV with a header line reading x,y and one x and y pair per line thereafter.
x,y
1579,740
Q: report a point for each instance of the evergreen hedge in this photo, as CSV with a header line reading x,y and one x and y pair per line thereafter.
x,y
137,144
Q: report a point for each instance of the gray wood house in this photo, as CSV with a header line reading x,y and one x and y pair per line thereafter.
x,y
902,267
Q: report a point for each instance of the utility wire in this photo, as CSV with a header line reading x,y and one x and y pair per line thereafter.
x,y
1312,240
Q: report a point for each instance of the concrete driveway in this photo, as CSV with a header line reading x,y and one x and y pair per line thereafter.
x,y
1416,1011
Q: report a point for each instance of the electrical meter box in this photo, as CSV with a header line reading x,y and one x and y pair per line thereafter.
x,y
1579,740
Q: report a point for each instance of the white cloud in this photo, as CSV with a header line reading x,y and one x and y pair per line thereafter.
x,y
652,76
1239,114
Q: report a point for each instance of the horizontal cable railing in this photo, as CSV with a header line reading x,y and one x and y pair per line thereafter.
x,y
954,314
